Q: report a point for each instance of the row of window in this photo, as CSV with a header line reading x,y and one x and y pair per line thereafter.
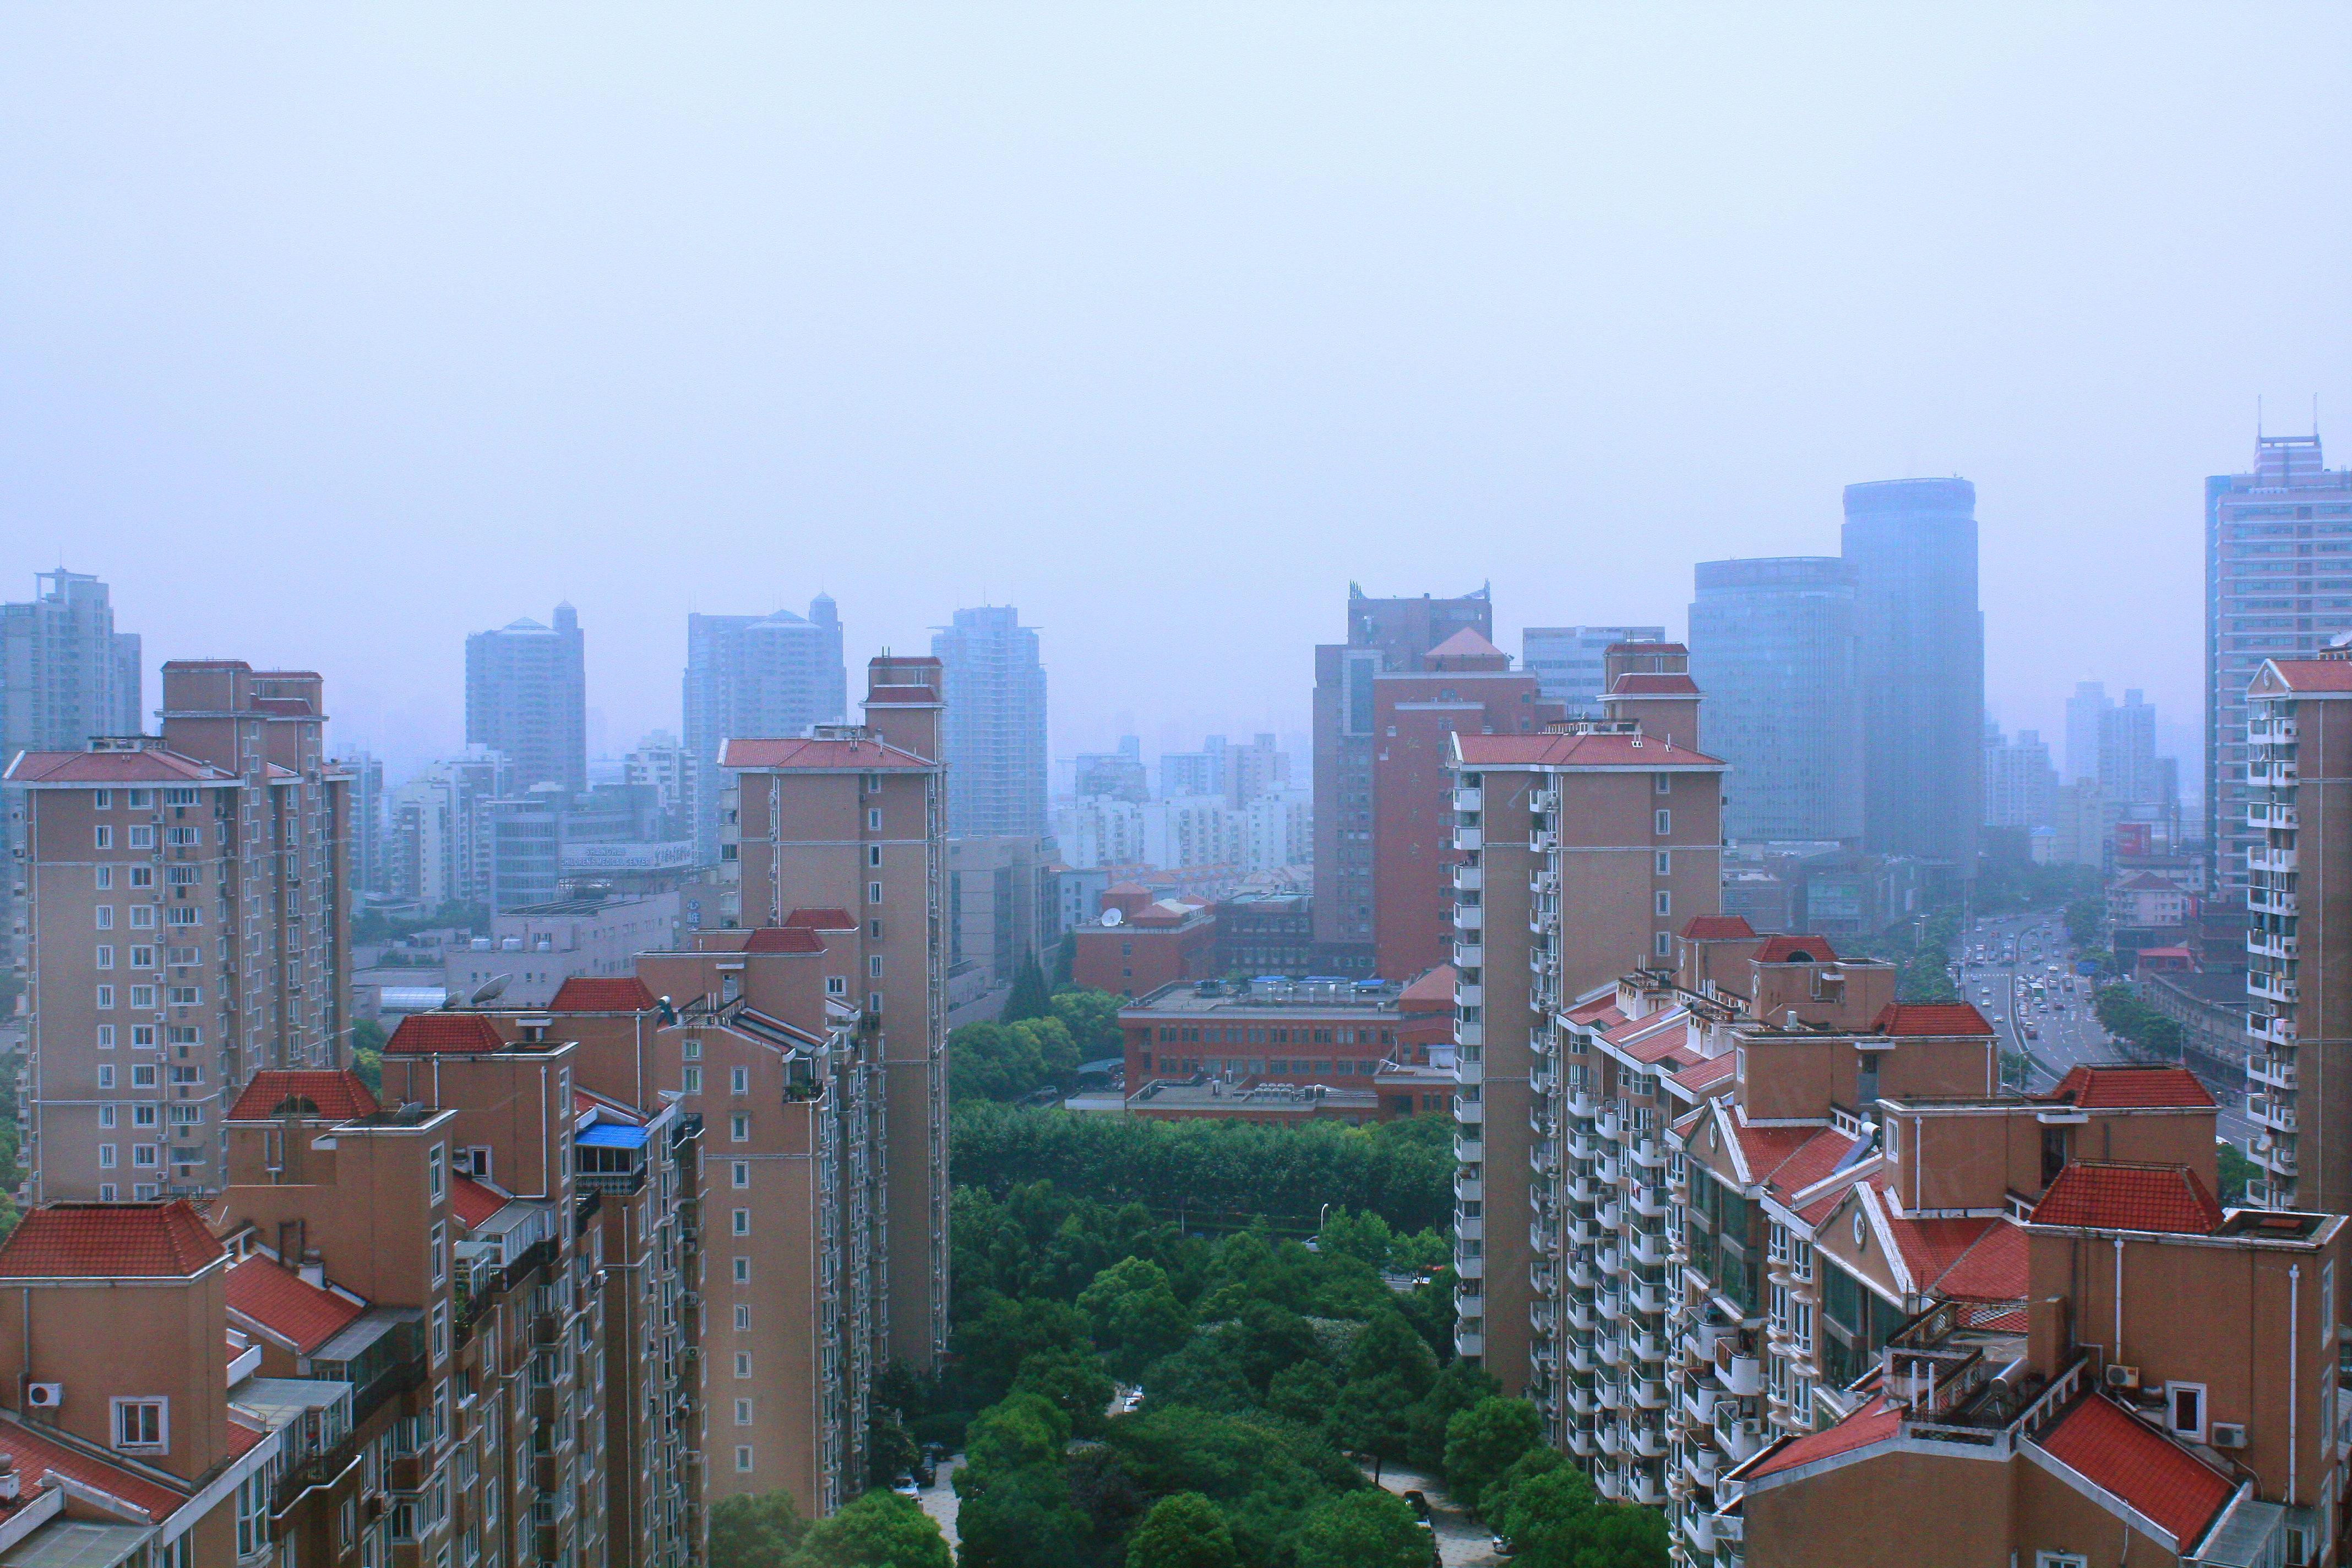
x,y
1235,1034
141,799
142,835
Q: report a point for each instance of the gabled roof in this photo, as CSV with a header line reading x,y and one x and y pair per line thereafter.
x,y
1436,985
424,1033
1653,683
1873,1422
1648,754
109,1241
1782,948
819,756
2129,1459
36,1457
821,920
2099,1087
2313,674
472,1201
1930,1018
1707,1075
1814,1160
2112,1195
1716,928
1465,643
329,1096
280,1301
602,994
1991,1271
783,939
151,765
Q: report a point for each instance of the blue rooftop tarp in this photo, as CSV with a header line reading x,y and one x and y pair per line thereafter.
x,y
615,1135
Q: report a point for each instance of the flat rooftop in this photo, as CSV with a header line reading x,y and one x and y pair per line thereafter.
x,y
1300,1100
1269,995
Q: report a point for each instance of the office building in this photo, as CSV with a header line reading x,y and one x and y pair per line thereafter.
x,y
2020,786
2278,584
1115,775
1382,635
2084,709
188,916
851,820
755,674
1568,660
1580,851
527,698
1466,687
995,729
1001,908
1774,643
1236,775
1912,545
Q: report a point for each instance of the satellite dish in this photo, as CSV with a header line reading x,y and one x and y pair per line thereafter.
x,y
1112,917
495,985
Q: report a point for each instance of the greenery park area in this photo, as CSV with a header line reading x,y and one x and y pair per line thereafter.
x,y
1282,1294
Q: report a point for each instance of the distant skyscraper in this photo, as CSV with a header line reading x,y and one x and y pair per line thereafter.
x,y
1116,775
1382,635
1913,546
2128,770
1772,643
2021,786
370,868
995,724
2278,584
771,676
1567,659
527,697
2084,710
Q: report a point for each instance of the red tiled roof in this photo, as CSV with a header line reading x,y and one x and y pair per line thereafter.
x,y
783,939
2123,1454
473,1203
1717,928
2111,1195
1632,752
821,920
1437,986
1930,1246
2103,1088
602,994
1991,1271
1873,1422
242,1437
1788,949
1929,1018
1653,683
155,766
1461,644
1603,1012
2314,674
1767,1148
335,1096
2146,882
821,756
99,1241
36,1457
1815,1159
283,1302
421,1034
1707,1074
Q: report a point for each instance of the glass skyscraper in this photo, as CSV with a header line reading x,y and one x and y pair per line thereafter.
x,y
1772,645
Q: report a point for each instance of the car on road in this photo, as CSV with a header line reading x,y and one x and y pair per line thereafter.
x,y
1133,1402
905,1488
1501,1544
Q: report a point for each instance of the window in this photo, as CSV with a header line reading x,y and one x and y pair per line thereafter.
x,y
690,1079
1666,903
2060,1560
1665,867
253,1513
437,1170
739,1080
738,1127
106,917
836,984
179,797
106,1037
102,800
440,1332
873,854
873,892
436,1252
143,1036
743,1364
1666,822
142,958
2184,1410
142,1075
142,996
105,878
183,995
872,819
1663,782
106,1081
742,1457
143,837
145,1154
874,967
106,1191
742,1319
742,1222
142,917
743,1270
105,998
742,1413
1666,944
740,1172
105,956
140,799
142,1423
184,915
106,1151
691,1051
103,835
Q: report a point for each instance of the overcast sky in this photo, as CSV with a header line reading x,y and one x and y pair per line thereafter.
x,y
328,335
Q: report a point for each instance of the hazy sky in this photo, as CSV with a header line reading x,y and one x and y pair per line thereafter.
x,y
330,334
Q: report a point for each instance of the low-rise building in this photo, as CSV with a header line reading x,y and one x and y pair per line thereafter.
x,y
2145,898
1139,944
535,948
1337,1033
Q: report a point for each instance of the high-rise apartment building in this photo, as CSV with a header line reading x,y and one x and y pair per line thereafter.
x,y
1113,775
371,861
66,674
770,675
439,850
2089,704
2129,770
1775,645
1912,544
1391,635
661,764
1569,660
527,698
188,917
1581,850
1466,687
851,820
2278,584
995,731
2020,785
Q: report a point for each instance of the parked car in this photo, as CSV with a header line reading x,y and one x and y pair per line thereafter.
x,y
1419,1504
904,1487
1502,1546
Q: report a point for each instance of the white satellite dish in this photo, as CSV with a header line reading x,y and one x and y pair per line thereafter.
x,y
1112,917
488,989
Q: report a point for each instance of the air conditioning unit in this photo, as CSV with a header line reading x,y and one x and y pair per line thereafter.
x,y
2229,1435
2120,1376
44,1395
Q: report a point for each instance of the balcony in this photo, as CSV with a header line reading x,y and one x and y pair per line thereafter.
x,y
1469,840
1739,1439
1469,1303
1649,1153
1466,1267
1650,1203
1543,884
1469,1113
2262,814
1544,1158
1466,1344
1469,1228
1609,1123
1542,841
1649,1393
2268,944
2269,731
1610,1261
2270,902
1469,1148
1578,1397
1641,1487
1578,1104
1609,1350
2272,984
1583,1145
1576,1352
1540,1120
1698,1405
1543,1316
2271,1112
1469,993
1650,1295
1469,1067
2278,1159
1469,917
1581,1274
1469,1188
1470,800
1469,879
1612,1213
2271,1070
1739,1374
1576,1310
1609,1167
2263,858
1611,1304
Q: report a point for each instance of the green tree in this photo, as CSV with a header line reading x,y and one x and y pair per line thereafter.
x,y
1015,1507
1303,1393
1541,1508
993,1061
2236,1172
1056,1048
367,1053
1030,997
1183,1531
2083,918
757,1529
1092,1018
1074,1382
1366,1237
1136,1316
1483,1442
1369,1529
890,1451
880,1530
991,1347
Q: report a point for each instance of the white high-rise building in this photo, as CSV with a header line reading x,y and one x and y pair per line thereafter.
x,y
995,724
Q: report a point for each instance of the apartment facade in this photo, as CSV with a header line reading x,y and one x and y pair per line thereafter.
x,y
852,819
1912,546
1382,635
1776,644
1582,849
2278,584
755,674
187,914
527,698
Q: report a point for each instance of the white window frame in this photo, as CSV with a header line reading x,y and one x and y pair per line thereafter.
x,y
118,1408
2195,1434
738,1127
1666,822
873,892
739,1080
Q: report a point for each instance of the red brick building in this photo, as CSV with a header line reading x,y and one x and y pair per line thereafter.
x,y
1337,1033
1151,943
1466,687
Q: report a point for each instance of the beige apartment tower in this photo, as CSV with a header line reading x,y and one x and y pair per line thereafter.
x,y
851,819
186,914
